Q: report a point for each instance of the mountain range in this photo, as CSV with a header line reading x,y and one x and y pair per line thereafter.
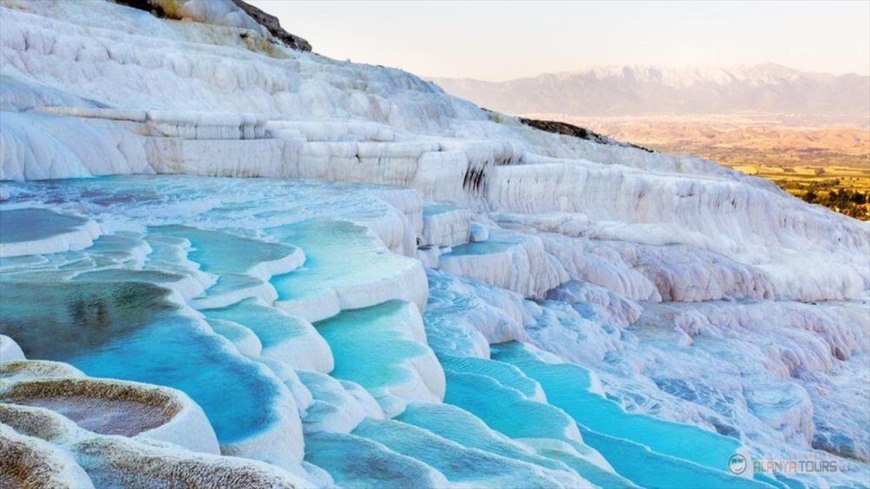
x,y
636,90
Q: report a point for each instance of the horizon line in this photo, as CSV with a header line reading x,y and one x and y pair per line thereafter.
x,y
587,67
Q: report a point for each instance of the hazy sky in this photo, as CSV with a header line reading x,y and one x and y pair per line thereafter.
x,y
503,40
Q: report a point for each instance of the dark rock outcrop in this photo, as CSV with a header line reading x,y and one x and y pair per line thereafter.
x,y
170,10
576,131
155,8
273,25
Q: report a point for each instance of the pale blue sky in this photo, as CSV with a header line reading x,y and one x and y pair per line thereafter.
x,y
503,40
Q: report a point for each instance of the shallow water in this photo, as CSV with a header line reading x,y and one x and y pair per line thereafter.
x,y
131,331
32,224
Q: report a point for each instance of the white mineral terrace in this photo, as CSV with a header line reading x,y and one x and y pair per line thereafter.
x,y
226,263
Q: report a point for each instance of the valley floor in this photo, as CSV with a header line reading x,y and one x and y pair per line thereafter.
x,y
809,160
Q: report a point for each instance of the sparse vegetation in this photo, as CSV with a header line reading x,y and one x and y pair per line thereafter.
x,y
829,193
842,189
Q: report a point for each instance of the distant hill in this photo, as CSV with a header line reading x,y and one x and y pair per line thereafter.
x,y
638,90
